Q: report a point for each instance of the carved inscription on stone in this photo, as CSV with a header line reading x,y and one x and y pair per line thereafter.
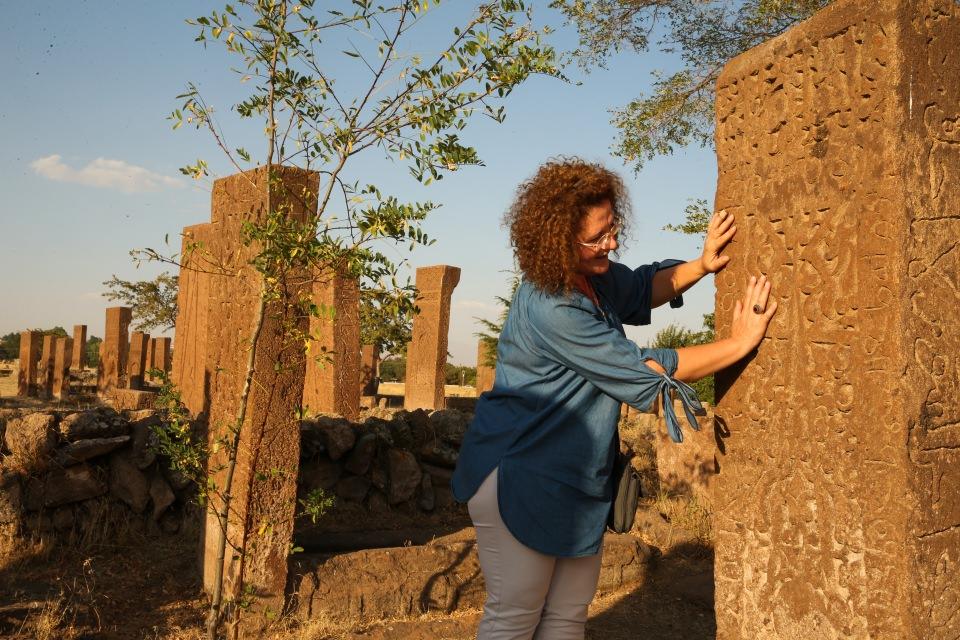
x,y
837,512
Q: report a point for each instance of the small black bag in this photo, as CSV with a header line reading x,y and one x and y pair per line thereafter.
x,y
626,495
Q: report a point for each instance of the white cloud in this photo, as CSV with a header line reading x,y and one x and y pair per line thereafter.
x,y
104,173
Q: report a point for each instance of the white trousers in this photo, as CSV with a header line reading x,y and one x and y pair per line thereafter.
x,y
529,594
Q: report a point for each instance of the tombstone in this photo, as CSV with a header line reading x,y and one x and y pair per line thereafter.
x,y
79,356
45,378
427,353
148,360
332,382
210,364
837,510
369,369
486,369
29,360
161,354
63,356
137,359
111,372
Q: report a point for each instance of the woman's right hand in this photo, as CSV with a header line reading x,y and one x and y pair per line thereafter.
x,y
748,326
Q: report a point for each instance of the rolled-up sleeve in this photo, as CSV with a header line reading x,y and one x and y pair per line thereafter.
x,y
583,342
630,291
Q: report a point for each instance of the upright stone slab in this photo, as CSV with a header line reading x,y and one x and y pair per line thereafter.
x,y
369,367
137,360
29,360
78,358
45,375
148,360
111,372
161,354
62,357
837,512
427,353
215,327
333,359
485,372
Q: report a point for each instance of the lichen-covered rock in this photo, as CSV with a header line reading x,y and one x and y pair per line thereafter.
x,y
437,453
77,452
426,499
102,422
450,425
404,474
30,440
11,498
320,475
127,482
143,445
353,488
161,494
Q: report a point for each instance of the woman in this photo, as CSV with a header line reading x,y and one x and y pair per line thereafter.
x,y
535,465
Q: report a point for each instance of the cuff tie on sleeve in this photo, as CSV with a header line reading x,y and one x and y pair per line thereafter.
x,y
689,400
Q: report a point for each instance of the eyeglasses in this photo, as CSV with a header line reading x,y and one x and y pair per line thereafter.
x,y
603,241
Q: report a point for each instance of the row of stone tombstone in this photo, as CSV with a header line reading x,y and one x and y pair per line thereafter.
x,y
47,361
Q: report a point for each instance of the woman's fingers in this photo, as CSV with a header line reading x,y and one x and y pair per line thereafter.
x,y
737,310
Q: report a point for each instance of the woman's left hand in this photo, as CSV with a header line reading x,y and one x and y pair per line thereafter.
x,y
719,233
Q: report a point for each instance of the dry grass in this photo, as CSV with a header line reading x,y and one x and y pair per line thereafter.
x,y
8,377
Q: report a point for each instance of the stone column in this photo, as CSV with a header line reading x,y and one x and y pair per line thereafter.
x,y
485,372
369,367
333,360
79,356
148,360
137,360
837,510
111,372
29,361
161,354
63,354
47,353
427,353
219,301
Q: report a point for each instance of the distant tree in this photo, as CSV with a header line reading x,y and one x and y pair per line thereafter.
x,y
393,369
460,375
386,318
490,337
93,351
10,346
154,302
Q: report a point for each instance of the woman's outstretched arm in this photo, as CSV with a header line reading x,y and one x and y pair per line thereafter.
x,y
746,333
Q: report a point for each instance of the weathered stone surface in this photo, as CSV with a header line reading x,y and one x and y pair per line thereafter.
x,y
137,359
837,509
353,488
30,342
45,369
63,486
338,434
332,382
439,454
102,422
427,352
76,452
132,399
486,368
143,437
111,370
217,314
31,439
377,502
127,482
63,352
425,500
359,460
400,582
369,370
162,358
11,498
161,494
78,354
439,475
62,518
404,474
443,497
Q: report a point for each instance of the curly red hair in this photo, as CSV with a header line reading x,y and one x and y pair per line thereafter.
x,y
546,214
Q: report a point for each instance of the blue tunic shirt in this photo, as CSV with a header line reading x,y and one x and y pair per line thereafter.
x,y
564,366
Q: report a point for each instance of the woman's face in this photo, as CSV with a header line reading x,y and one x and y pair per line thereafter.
x,y
596,226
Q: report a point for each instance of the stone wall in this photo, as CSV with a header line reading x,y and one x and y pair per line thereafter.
x,y
837,510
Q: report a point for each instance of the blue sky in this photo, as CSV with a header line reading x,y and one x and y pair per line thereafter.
x,y
89,163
